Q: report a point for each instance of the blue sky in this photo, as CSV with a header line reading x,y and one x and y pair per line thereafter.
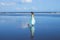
x,y
29,5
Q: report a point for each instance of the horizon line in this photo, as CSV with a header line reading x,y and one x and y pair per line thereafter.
x,y
29,12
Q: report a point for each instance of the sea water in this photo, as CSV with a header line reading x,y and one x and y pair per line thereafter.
x,y
15,28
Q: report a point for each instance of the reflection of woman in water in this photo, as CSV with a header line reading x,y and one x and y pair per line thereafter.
x,y
31,24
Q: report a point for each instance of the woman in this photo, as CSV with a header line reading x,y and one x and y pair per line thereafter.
x,y
31,24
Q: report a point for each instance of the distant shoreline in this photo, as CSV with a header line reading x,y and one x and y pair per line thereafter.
x,y
36,14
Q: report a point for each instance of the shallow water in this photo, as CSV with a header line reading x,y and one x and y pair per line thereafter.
x,y
15,28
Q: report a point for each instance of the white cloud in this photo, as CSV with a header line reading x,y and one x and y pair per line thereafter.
x,y
7,3
2,3
23,8
18,8
26,1
27,8
34,8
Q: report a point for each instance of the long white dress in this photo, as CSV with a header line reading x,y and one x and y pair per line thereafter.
x,y
32,22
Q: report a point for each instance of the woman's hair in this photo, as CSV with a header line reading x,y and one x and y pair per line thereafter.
x,y
32,13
